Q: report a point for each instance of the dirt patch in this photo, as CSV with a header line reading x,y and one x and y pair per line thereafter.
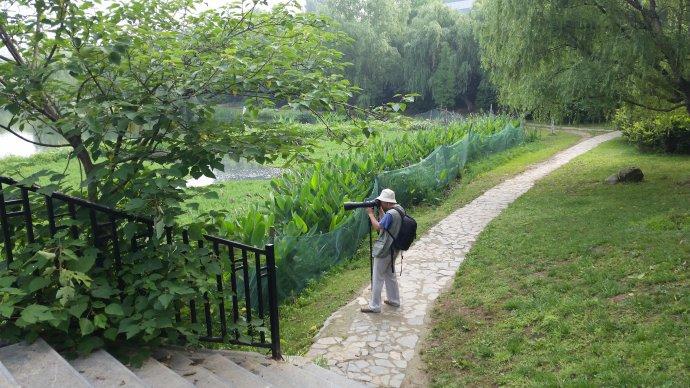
x,y
600,250
540,274
476,313
619,298
683,183
531,333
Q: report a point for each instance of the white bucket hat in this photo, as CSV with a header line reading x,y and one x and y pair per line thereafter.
x,y
387,195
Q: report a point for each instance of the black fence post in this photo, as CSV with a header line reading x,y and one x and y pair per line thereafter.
x,y
273,302
5,229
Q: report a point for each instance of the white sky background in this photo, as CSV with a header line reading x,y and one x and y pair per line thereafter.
x,y
271,3
209,3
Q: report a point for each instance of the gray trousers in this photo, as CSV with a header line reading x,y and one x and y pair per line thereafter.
x,y
384,274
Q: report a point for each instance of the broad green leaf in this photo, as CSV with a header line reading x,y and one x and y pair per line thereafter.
x,y
77,309
37,284
65,294
100,321
36,313
6,310
165,300
114,309
86,326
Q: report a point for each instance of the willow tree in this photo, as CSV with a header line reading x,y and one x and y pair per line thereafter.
x,y
376,29
127,87
413,46
554,57
441,57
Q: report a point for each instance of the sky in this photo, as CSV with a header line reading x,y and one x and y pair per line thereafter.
x,y
271,3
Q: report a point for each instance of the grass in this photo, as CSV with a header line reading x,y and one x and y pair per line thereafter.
x,y
302,317
577,283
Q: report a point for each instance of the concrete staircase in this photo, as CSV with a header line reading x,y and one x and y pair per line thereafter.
x,y
39,365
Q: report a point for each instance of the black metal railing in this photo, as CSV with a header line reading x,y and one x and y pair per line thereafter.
x,y
250,272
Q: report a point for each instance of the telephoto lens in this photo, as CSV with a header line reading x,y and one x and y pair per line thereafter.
x,y
355,205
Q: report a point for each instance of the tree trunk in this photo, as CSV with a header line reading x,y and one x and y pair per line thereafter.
x,y
469,103
85,159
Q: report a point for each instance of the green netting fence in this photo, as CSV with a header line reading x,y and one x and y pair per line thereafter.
x,y
306,257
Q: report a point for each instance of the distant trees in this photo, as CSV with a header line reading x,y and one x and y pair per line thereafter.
x,y
409,46
568,58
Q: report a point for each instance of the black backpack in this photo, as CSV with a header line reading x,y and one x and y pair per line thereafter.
x,y
407,232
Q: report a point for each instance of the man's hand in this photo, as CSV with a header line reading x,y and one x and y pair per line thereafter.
x,y
372,219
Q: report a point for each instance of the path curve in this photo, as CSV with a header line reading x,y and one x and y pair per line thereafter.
x,y
377,348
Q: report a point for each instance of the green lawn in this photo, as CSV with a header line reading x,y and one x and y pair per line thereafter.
x,y
302,317
577,283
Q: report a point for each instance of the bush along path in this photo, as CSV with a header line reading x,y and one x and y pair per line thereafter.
x,y
380,348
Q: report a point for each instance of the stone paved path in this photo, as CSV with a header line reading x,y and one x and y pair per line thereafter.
x,y
378,348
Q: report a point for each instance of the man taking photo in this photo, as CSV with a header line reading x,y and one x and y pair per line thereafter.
x,y
384,253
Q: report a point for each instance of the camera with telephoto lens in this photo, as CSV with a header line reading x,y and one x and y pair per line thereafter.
x,y
355,205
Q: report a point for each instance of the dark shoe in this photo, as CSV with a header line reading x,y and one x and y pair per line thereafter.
x,y
368,310
391,303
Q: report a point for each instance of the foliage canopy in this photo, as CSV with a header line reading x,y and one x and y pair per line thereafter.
x,y
564,56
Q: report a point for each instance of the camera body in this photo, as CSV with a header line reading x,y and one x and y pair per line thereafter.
x,y
356,205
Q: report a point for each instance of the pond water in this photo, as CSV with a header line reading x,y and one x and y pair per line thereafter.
x,y
237,171
11,145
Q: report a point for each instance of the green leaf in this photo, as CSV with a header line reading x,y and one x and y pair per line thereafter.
x,y
314,181
65,294
7,281
159,228
36,313
100,321
110,333
88,344
114,309
135,204
130,329
76,310
46,255
195,232
86,326
211,195
37,283
299,222
83,263
165,300
103,292
6,310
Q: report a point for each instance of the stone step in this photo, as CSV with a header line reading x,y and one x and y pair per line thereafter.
x,y
38,365
280,374
6,379
156,375
227,370
323,373
103,370
190,370
332,377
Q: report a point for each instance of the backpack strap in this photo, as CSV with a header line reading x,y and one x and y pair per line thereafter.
x,y
402,215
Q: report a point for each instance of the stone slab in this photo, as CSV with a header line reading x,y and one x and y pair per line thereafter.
x,y
104,371
155,375
227,370
38,365
190,370
6,379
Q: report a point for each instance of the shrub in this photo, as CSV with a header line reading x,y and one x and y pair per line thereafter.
x,y
663,131
58,290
